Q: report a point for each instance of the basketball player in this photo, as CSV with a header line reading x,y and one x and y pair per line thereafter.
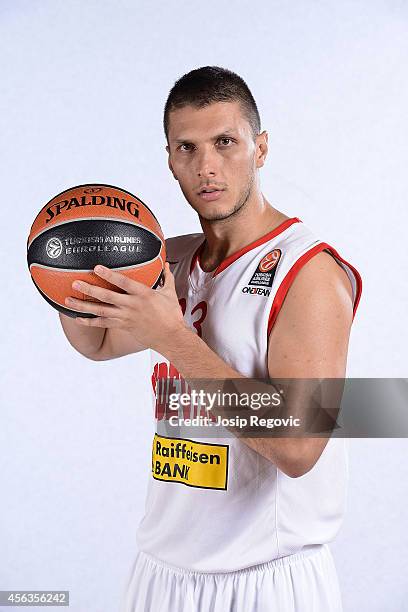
x,y
257,294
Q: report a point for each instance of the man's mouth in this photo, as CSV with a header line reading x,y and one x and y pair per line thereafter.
x,y
210,193
210,196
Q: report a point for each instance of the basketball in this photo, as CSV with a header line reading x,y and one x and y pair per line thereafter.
x,y
88,225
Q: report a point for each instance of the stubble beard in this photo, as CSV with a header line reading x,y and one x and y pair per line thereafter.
x,y
242,200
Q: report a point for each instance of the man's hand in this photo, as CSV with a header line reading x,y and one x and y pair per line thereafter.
x,y
152,316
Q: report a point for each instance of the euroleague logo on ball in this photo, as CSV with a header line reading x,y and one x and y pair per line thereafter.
x,y
53,248
270,260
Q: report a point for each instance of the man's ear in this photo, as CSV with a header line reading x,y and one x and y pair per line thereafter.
x,y
169,162
261,148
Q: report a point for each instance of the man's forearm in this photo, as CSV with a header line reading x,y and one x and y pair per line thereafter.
x,y
194,359
86,340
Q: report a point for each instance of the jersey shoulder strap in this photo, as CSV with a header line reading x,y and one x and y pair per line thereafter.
x,y
299,244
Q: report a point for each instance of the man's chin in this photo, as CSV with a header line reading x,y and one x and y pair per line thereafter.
x,y
216,215
214,212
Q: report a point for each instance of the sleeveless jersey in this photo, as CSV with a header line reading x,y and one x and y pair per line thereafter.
x,y
218,505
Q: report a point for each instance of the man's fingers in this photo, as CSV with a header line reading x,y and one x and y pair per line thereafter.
x,y
120,280
168,276
101,310
99,322
104,295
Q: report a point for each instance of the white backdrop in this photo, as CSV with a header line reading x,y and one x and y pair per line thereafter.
x,y
83,85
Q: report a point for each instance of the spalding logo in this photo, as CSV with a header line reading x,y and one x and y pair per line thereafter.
x,y
93,190
53,247
270,260
93,200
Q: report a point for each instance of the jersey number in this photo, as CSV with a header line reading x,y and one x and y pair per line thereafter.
x,y
201,306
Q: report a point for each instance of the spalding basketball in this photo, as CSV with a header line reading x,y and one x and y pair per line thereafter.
x,y
88,225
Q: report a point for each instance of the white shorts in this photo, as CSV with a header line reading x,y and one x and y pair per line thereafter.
x,y
302,582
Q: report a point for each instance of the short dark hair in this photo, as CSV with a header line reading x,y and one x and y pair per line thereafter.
x,y
209,84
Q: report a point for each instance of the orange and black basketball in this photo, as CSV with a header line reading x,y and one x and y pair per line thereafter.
x,y
88,225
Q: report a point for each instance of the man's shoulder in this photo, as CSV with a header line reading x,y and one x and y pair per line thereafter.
x,y
178,247
321,272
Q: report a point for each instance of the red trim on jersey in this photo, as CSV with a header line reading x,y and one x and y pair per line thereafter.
x,y
195,256
252,245
290,276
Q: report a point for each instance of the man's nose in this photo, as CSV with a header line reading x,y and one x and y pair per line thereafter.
x,y
206,163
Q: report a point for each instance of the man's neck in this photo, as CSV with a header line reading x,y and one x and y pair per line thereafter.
x,y
228,236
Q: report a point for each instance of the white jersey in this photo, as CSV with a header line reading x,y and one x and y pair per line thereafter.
x,y
220,506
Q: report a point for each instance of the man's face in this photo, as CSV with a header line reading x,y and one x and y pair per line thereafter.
x,y
213,148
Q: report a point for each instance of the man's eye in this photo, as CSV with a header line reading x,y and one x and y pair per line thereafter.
x,y
222,140
186,144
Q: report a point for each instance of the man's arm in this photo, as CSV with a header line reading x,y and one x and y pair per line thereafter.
x,y
309,340
98,343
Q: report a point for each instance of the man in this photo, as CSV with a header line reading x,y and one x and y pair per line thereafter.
x,y
255,295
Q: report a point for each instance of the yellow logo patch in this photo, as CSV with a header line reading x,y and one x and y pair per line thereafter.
x,y
195,464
